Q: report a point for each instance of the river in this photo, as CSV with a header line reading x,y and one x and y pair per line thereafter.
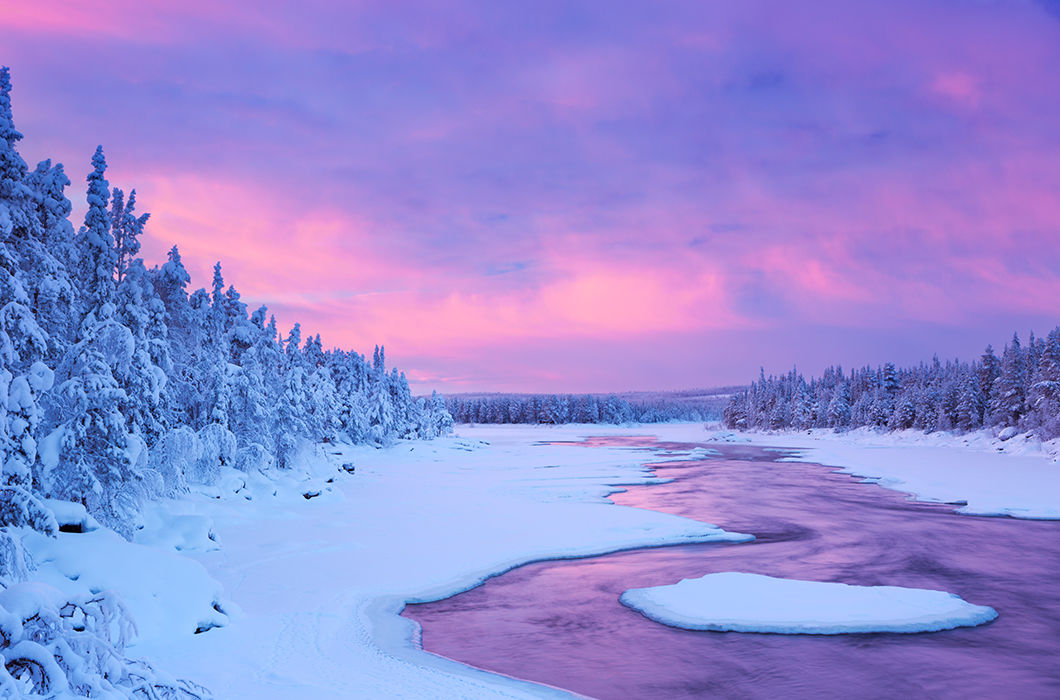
x,y
560,622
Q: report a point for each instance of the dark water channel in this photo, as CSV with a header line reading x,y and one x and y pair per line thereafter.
x,y
561,623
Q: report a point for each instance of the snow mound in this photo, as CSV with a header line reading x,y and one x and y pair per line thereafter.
x,y
741,602
165,594
71,517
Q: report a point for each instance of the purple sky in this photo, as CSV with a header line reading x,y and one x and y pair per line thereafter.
x,y
572,196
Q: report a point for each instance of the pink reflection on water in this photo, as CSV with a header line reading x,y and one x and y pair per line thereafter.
x,y
561,623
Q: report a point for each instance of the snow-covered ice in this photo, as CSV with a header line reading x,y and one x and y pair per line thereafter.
x,y
742,602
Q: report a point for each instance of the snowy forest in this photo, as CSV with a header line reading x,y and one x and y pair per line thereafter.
x,y
557,409
1019,390
118,386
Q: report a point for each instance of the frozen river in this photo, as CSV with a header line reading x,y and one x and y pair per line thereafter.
x,y
560,622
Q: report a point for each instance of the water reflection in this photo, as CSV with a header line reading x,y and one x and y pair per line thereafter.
x,y
561,622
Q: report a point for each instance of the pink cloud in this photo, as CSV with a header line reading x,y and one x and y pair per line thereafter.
x,y
491,179
959,87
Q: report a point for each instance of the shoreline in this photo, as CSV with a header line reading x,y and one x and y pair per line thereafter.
x,y
519,502
319,584
983,475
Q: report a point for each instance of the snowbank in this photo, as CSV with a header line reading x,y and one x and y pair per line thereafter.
x,y
166,594
1017,477
740,602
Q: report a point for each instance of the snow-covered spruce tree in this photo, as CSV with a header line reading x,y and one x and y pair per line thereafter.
x,y
291,428
96,456
969,402
351,383
1044,395
380,411
14,192
106,407
322,419
24,377
126,228
255,392
406,418
48,259
141,311
97,257
988,370
183,336
441,421
1009,392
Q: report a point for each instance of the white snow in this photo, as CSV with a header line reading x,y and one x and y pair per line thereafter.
x,y
300,597
69,514
311,589
742,602
167,594
1017,477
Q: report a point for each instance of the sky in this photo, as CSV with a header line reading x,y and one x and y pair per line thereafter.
x,y
579,196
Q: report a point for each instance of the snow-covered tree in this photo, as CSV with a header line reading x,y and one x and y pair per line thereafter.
x,y
94,455
125,227
97,255
13,189
1010,386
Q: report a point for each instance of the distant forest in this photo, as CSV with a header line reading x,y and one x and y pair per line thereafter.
x,y
637,407
1020,390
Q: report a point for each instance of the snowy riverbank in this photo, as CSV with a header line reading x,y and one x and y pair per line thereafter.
x,y
984,475
299,596
296,580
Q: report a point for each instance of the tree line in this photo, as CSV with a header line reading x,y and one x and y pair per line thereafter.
x,y
1020,389
570,408
118,384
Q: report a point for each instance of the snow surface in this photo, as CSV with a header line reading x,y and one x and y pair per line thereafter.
x,y
300,597
1017,477
306,593
742,602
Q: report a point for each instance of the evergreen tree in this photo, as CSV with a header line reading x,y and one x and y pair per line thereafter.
x,y
97,256
97,454
970,403
13,189
839,407
1008,395
125,227
989,371
48,258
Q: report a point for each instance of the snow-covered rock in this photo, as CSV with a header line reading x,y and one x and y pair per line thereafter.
x,y
1007,433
